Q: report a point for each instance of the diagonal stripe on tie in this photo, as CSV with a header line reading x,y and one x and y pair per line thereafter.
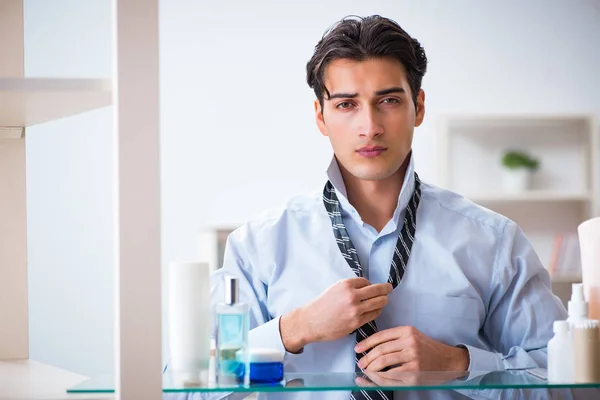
x,y
397,267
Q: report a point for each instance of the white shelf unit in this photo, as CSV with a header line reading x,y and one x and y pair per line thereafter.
x,y
25,102
134,93
565,188
31,101
212,240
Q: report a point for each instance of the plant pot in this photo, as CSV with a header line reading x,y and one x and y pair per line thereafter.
x,y
516,180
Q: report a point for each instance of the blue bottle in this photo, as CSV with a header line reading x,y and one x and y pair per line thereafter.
x,y
231,358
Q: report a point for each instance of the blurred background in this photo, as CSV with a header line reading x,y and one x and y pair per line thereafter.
x,y
512,93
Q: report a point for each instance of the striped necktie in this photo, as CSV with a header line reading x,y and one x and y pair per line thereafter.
x,y
399,262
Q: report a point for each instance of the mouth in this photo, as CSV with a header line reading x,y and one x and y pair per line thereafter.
x,y
371,151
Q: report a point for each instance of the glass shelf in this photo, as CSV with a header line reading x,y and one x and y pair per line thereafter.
x,y
349,381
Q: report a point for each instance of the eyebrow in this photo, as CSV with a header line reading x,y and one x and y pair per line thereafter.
x,y
377,93
390,91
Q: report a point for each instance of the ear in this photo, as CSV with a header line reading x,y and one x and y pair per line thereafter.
x,y
319,118
420,111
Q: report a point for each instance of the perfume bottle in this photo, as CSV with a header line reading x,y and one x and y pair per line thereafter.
x,y
232,316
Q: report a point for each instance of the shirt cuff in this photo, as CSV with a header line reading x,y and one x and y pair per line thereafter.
x,y
483,360
268,336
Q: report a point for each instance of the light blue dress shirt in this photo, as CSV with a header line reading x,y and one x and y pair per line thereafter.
x,y
472,279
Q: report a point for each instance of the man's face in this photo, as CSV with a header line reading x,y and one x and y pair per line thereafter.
x,y
370,116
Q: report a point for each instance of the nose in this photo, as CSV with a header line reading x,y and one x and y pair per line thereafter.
x,y
369,125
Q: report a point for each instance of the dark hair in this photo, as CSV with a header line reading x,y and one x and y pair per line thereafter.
x,y
361,38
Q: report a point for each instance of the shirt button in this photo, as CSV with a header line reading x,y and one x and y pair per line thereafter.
x,y
377,242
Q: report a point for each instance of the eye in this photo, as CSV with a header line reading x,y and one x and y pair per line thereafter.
x,y
390,100
344,105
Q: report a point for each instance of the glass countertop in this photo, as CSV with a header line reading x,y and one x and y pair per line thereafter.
x,y
349,381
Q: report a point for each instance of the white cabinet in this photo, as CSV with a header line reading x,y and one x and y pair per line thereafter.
x,y
133,92
25,102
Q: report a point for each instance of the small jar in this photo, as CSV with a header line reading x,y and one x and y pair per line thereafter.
x,y
266,366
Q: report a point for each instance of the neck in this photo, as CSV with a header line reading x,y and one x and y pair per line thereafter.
x,y
375,201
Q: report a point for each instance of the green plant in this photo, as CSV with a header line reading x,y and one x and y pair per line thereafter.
x,y
518,159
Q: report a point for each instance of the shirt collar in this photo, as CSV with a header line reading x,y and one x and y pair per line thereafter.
x,y
335,177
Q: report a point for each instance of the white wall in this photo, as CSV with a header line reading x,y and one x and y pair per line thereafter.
x,y
237,121
237,116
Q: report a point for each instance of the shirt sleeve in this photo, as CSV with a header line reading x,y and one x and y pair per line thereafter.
x,y
521,308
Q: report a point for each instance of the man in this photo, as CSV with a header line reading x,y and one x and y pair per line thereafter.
x,y
379,271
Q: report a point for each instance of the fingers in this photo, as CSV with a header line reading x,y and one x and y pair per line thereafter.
x,y
373,360
407,374
385,378
373,304
375,290
368,317
356,283
385,336
395,359
411,366
360,381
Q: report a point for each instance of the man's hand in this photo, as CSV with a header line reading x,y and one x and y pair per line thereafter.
x,y
406,349
337,312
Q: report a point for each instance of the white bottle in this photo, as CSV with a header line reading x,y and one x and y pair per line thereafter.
x,y
189,322
560,354
578,307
